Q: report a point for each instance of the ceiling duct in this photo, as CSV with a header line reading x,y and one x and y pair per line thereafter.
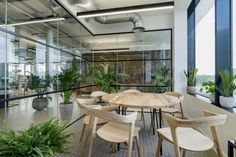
x,y
111,19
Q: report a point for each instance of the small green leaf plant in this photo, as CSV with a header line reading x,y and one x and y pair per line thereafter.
x,y
191,76
227,85
209,87
45,139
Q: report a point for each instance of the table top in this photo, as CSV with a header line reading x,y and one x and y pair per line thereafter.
x,y
141,100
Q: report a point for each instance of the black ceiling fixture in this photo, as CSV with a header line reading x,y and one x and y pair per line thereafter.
x,y
129,9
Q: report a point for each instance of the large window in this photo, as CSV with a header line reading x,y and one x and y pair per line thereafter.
x,y
234,35
205,41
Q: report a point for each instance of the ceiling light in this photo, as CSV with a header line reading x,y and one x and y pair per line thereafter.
x,y
35,21
124,10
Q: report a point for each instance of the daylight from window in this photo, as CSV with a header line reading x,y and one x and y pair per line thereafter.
x,y
205,41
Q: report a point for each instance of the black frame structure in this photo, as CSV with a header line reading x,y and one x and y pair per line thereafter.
x,y
223,31
129,8
144,60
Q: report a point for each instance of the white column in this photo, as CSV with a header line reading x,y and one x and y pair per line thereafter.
x,y
180,49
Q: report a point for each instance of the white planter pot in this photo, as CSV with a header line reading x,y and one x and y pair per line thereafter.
x,y
212,98
191,90
66,111
227,102
40,103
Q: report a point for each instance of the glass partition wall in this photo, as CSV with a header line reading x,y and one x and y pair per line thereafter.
x,y
39,40
37,43
145,58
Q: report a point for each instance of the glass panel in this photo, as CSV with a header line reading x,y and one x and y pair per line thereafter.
x,y
205,44
3,80
234,35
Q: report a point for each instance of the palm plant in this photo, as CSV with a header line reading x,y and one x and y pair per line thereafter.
x,y
104,78
40,140
68,78
227,86
191,76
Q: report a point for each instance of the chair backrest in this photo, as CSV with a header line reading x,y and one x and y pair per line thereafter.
x,y
98,94
87,103
176,94
132,91
211,120
114,117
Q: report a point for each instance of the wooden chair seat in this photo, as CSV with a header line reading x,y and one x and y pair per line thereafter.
x,y
188,139
116,132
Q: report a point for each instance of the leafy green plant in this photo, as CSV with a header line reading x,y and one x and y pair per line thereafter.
x,y
209,87
68,78
104,78
191,76
227,85
38,84
163,79
40,140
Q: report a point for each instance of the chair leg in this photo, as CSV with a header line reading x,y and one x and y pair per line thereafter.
x,y
82,134
143,118
129,149
138,145
183,152
159,145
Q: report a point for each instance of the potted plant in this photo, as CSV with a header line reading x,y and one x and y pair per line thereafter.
x,y
226,88
40,140
104,78
40,86
191,79
210,89
68,78
162,80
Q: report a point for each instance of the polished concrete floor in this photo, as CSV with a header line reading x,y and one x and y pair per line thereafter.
x,y
21,114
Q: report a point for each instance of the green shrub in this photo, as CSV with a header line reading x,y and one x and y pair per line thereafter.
x,y
40,140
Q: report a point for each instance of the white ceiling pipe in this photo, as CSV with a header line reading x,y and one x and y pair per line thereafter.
x,y
134,18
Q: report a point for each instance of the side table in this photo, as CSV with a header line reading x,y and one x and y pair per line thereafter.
x,y
231,147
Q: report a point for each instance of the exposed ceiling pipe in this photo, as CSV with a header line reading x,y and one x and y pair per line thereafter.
x,y
134,18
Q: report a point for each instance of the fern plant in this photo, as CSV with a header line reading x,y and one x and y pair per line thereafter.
x,y
40,140
227,85
191,76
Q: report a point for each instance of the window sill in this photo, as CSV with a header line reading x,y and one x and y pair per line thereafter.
x,y
205,99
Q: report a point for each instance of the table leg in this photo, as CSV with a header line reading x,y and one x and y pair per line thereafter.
x,y
153,121
160,117
230,150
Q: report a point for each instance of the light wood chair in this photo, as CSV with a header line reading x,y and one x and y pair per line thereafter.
x,y
119,129
173,110
98,95
184,137
90,102
142,110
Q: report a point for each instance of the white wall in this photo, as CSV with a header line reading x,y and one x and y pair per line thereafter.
x,y
180,49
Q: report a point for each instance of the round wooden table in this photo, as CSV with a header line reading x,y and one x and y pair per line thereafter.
x,y
143,100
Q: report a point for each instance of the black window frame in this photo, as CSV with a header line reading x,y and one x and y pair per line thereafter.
x,y
223,38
